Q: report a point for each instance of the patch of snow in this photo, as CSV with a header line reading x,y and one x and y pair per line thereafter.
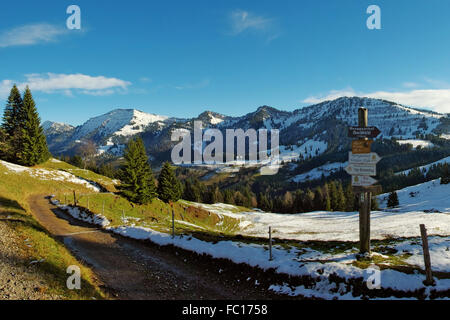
x,y
417,143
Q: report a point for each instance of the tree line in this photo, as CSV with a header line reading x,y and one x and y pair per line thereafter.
x,y
332,196
22,139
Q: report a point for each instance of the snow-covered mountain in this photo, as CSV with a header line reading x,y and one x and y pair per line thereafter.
x,y
309,131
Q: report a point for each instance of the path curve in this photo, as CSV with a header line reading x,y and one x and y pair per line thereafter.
x,y
133,269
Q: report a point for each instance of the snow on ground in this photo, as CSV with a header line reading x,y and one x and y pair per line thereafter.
x,y
338,226
428,166
289,262
415,143
317,173
82,215
428,196
49,174
311,148
296,261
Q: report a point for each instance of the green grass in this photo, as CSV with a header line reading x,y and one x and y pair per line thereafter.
x,y
15,188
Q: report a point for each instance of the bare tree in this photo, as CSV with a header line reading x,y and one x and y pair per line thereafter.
x,y
88,151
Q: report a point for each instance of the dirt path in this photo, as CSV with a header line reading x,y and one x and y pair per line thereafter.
x,y
136,270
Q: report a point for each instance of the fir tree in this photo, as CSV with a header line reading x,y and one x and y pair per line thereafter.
x,y
393,200
11,119
169,188
5,150
445,178
327,197
138,183
33,144
341,204
350,198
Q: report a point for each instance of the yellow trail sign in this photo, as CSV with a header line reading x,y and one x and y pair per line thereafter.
x,y
361,146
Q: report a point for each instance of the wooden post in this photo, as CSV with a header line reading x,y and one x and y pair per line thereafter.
x,y
173,223
74,198
365,198
123,214
270,244
426,256
65,200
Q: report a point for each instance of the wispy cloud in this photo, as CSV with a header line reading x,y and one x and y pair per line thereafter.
x,y
197,85
434,99
31,34
67,84
242,21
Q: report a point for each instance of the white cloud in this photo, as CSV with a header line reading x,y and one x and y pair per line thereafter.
x,y
66,83
31,34
435,99
199,85
242,21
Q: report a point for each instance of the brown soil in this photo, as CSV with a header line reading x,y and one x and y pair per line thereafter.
x,y
132,269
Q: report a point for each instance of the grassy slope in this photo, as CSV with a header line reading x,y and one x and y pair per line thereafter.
x,y
15,188
204,225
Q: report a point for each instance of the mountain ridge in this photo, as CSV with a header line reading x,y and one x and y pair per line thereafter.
x,y
322,123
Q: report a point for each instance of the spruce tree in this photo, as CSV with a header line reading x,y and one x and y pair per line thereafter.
x,y
169,188
33,144
138,184
393,200
5,150
341,204
11,119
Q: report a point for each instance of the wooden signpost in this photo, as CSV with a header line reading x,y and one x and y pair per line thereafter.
x,y
362,165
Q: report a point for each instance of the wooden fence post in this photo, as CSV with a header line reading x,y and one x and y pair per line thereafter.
x,y
173,223
426,256
270,244
74,198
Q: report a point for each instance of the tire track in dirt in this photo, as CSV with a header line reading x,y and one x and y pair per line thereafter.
x,y
132,269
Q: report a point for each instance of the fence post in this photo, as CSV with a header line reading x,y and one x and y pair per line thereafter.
x,y
270,244
74,198
426,256
173,223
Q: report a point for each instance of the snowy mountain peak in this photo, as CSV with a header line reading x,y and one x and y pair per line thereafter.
x,y
56,127
211,117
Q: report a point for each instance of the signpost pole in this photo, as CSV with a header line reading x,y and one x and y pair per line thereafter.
x,y
364,211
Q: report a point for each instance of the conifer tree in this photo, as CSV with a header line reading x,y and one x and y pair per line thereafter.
x,y
445,178
341,204
393,200
169,188
5,150
11,120
350,198
327,197
138,183
334,197
319,199
33,144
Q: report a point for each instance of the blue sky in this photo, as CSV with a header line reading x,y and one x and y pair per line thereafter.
x,y
179,58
